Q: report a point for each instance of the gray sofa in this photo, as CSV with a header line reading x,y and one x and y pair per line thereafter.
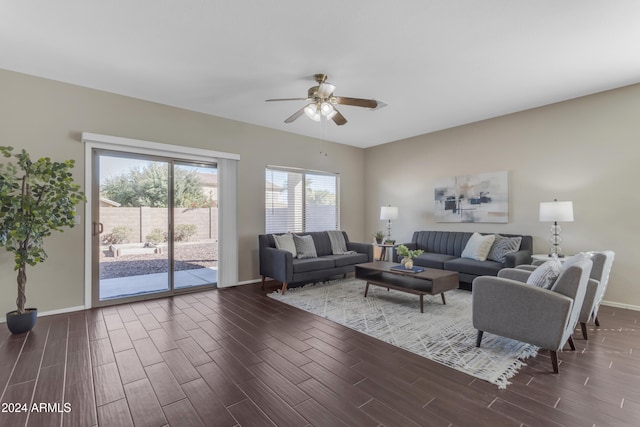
x,y
280,265
442,250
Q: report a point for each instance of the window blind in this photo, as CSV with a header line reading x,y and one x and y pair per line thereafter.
x,y
300,200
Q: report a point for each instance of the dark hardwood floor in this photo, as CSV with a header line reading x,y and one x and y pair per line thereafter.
x,y
234,357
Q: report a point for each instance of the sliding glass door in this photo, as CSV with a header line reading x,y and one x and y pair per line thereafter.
x,y
155,226
195,230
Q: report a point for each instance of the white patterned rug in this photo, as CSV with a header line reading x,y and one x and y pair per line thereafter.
x,y
443,333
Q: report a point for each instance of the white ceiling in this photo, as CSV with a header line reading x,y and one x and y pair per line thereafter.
x,y
437,64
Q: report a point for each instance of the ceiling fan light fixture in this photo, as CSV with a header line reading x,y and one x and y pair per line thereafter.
x,y
313,112
326,109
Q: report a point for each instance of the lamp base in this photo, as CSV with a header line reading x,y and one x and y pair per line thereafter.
x,y
556,255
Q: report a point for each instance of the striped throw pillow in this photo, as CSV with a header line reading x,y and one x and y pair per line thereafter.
x,y
503,246
546,274
305,246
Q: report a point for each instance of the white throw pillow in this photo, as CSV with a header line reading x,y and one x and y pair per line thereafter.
x,y
286,243
478,246
546,274
568,262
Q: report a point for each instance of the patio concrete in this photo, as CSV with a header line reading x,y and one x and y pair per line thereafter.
x,y
157,282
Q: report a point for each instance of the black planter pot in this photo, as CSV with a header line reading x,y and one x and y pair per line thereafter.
x,y
21,323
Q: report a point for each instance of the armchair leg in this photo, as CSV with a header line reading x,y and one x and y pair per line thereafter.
x,y
554,360
583,326
479,338
597,321
263,280
284,287
571,344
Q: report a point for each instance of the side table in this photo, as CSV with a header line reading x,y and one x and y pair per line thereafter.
x,y
546,257
383,251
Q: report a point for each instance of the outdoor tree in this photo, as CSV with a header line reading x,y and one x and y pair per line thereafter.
x,y
148,186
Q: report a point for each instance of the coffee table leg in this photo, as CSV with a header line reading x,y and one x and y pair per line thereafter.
x,y
366,289
421,303
443,301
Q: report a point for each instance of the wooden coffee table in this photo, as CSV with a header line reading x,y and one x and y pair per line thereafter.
x,y
431,281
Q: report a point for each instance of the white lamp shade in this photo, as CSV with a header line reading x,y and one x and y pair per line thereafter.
x,y
388,212
556,211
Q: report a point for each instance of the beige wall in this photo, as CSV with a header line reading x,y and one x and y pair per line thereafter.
x,y
586,150
47,117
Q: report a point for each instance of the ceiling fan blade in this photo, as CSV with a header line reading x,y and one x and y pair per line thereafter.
x,y
356,102
325,90
287,99
295,115
338,118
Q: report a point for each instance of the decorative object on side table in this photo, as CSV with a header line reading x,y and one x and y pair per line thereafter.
x,y
379,236
407,256
37,197
556,212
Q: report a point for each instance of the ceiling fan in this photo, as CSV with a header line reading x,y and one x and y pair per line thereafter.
x,y
322,102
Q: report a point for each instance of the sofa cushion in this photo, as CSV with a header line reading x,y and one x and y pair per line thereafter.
x,y
322,242
472,266
432,260
478,246
349,259
503,246
312,264
441,242
285,242
304,246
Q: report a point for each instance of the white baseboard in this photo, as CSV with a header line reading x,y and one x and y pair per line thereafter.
x,y
249,282
52,312
619,305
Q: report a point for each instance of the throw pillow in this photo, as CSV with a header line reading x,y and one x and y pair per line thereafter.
x,y
569,261
305,246
286,243
503,246
546,274
478,246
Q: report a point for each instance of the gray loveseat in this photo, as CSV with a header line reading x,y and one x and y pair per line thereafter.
x,y
442,250
280,264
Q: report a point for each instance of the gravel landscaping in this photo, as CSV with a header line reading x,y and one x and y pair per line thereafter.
x,y
188,256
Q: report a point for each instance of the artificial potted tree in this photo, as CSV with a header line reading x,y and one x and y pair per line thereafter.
x,y
37,198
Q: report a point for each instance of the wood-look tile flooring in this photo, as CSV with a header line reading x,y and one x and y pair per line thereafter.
x,y
237,358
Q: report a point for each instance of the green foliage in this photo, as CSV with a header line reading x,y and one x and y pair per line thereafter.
x,y
157,235
378,235
37,198
403,251
118,235
184,232
149,186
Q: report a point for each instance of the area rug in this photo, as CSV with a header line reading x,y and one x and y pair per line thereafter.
x,y
443,333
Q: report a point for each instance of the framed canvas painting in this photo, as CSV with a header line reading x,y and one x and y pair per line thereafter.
x,y
482,197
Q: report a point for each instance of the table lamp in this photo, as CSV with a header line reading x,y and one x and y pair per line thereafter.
x,y
388,213
556,212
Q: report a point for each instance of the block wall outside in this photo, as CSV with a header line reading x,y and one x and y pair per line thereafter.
x,y
143,220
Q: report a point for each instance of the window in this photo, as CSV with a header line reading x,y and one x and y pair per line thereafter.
x,y
297,200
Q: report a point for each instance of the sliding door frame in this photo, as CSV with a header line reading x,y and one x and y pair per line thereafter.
x,y
133,146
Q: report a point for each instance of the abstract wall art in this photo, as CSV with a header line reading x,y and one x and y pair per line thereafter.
x,y
482,197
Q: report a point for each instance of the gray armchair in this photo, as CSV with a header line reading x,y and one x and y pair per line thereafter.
x,y
596,288
545,318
